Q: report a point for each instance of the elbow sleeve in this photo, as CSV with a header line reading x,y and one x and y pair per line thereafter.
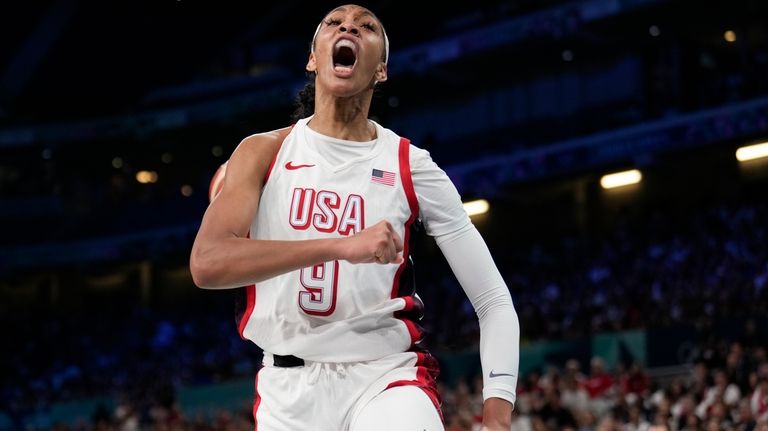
x,y
474,268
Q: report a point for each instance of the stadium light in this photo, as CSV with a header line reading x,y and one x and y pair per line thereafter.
x,y
620,179
751,152
479,206
146,177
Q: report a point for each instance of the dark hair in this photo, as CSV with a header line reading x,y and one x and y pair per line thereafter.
x,y
305,100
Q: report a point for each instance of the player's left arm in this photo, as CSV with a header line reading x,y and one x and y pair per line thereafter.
x,y
466,252
472,264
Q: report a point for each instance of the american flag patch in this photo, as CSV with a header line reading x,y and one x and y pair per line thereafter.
x,y
383,177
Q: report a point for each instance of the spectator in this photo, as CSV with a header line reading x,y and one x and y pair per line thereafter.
x,y
722,391
636,421
759,399
554,414
635,381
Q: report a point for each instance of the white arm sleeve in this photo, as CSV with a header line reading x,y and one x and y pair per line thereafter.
x,y
466,252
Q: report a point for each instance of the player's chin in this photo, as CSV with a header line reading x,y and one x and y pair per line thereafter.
x,y
347,87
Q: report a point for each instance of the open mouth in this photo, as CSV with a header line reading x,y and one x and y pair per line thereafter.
x,y
344,55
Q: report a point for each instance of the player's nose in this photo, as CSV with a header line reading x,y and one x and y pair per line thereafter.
x,y
349,27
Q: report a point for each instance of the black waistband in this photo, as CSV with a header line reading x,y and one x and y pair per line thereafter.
x,y
287,361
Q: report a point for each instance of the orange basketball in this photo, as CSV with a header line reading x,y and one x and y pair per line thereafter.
x,y
217,182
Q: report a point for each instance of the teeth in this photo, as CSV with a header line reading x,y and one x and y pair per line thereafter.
x,y
344,43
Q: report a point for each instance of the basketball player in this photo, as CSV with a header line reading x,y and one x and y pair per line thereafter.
x,y
315,220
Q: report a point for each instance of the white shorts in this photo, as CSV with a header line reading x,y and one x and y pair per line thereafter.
x,y
322,396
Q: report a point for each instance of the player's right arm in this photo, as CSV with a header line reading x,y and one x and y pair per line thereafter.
x,y
224,257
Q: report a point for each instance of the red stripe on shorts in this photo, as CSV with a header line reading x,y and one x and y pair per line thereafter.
x,y
256,403
427,370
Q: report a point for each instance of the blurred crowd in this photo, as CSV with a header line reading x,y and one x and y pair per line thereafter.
x,y
726,389
701,269
138,354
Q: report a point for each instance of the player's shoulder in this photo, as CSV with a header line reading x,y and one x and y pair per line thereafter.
x,y
414,150
419,157
265,141
260,146
255,152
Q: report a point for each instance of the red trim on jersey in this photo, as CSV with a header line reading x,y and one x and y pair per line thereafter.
x,y
405,175
256,403
426,375
274,160
250,300
250,291
413,330
410,194
408,303
271,166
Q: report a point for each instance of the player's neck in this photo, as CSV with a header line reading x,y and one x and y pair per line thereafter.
x,y
343,118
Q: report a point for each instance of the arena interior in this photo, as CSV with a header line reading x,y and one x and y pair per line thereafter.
x,y
642,298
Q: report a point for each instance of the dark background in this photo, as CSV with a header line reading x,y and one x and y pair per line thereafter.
x,y
523,103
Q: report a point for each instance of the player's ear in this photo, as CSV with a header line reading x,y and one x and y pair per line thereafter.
x,y
311,63
381,72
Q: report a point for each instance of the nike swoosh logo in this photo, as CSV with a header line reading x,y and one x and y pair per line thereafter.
x,y
492,374
292,167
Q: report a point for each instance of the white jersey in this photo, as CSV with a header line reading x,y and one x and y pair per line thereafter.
x,y
334,311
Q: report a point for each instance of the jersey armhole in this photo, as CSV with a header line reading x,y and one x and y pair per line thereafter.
x,y
414,331
407,179
249,302
274,159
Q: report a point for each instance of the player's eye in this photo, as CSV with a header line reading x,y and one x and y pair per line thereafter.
x,y
332,21
369,26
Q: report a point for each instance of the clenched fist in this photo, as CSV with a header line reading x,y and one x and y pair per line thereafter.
x,y
378,243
